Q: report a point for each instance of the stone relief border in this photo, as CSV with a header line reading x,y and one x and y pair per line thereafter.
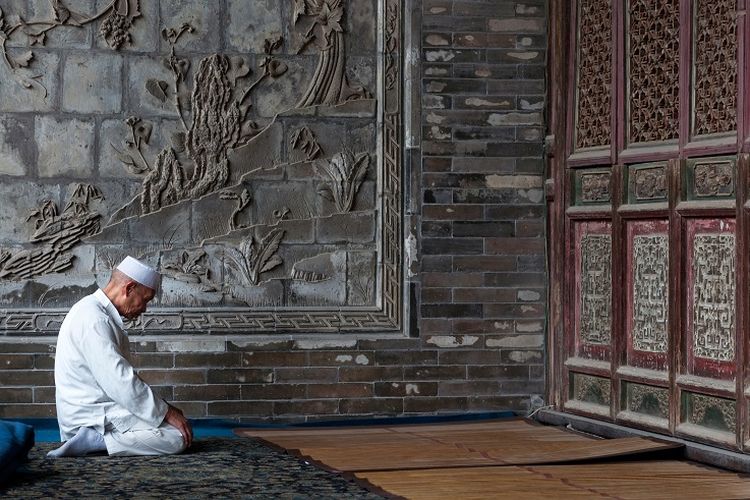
x,y
385,315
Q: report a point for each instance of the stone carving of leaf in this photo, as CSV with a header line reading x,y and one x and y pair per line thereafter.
x,y
267,258
299,10
277,68
239,69
157,88
23,60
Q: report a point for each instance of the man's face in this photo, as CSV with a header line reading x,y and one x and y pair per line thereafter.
x,y
136,300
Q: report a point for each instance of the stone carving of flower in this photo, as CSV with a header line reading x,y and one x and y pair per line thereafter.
x,y
330,19
116,29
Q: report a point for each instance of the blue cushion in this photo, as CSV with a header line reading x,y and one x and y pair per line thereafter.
x,y
16,439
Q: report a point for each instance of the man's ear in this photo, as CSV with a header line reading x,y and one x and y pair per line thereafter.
x,y
130,287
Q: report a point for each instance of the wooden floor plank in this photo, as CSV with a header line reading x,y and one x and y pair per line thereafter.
x,y
513,442
627,480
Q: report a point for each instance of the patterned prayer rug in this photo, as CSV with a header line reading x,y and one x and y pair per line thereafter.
x,y
218,468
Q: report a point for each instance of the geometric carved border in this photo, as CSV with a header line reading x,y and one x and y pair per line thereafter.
x,y
385,316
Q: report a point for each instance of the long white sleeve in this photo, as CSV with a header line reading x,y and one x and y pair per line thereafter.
x,y
115,375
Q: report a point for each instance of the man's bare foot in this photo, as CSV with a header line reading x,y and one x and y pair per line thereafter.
x,y
86,441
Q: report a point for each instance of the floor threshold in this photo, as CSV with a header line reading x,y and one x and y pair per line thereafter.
x,y
707,454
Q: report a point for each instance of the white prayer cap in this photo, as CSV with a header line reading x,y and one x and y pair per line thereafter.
x,y
140,272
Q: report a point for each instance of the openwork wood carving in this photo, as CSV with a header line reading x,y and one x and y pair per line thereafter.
x,y
595,187
715,85
713,296
592,389
596,289
594,88
714,179
649,184
650,298
653,70
647,400
715,413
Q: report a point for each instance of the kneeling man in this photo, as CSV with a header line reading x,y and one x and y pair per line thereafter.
x,y
102,405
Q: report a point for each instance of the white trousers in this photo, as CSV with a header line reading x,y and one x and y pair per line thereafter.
x,y
164,440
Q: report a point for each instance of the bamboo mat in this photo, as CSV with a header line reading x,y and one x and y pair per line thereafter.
x,y
661,480
502,442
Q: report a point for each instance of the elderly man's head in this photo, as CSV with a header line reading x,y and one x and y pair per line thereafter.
x,y
131,287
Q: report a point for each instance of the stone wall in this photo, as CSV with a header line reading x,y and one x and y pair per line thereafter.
x,y
474,285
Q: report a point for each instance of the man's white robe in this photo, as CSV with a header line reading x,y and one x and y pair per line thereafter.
x,y
97,387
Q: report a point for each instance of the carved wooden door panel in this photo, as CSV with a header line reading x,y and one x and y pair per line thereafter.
x,y
655,288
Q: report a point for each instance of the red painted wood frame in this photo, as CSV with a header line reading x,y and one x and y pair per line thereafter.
x,y
677,370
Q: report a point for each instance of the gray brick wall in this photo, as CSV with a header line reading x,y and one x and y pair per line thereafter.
x,y
479,284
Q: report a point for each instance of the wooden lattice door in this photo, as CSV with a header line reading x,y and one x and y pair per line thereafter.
x,y
654,286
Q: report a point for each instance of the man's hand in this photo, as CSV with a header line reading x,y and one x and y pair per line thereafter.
x,y
175,418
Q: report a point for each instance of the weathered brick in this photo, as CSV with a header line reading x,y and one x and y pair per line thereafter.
x,y
483,326
499,372
514,311
306,374
435,295
44,394
406,389
405,358
208,360
494,228
27,411
270,358
463,246
436,164
307,407
452,311
206,392
487,296
273,391
16,361
484,263
514,246
370,406
434,405
515,279
443,372
513,403
152,360
243,376
434,264
475,357
342,390
26,377
452,212
468,388
15,395
452,279
240,408
370,373
164,377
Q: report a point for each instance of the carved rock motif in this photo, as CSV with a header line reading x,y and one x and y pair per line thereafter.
x,y
304,139
595,188
391,46
705,410
714,179
344,174
189,269
329,85
56,234
254,258
116,26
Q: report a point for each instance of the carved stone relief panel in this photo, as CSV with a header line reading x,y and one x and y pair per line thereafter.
x,y
594,67
711,308
594,284
711,178
265,183
647,183
646,400
715,66
653,70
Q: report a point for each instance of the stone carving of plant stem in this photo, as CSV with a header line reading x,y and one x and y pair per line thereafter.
x,y
243,200
252,258
345,175
37,31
